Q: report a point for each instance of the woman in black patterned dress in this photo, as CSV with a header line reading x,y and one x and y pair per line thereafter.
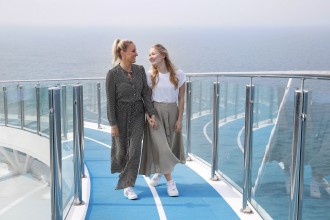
x,y
128,98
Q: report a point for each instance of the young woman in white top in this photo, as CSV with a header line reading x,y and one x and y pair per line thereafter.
x,y
163,143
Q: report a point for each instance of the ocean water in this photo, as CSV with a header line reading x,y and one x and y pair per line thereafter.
x,y
51,53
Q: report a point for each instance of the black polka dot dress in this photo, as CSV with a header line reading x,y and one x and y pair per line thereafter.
x,y
128,98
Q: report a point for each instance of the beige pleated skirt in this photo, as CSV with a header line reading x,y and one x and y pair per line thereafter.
x,y
162,147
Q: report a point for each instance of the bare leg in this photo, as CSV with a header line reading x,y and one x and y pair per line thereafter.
x,y
168,176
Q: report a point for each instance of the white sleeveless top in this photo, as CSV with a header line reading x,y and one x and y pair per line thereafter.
x,y
164,91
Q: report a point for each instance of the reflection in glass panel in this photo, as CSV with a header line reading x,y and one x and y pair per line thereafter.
x,y
316,197
272,141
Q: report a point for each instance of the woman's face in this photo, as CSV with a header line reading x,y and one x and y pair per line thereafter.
x,y
155,57
130,54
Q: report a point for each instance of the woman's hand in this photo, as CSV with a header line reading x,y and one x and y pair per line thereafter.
x,y
152,121
178,126
115,131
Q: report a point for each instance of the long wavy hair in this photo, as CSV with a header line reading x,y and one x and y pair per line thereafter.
x,y
169,66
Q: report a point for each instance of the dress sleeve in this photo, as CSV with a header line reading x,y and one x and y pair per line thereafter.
x,y
146,94
110,86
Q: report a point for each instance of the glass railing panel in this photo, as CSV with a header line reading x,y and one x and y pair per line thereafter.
x,y
268,177
104,115
67,151
90,100
201,115
231,128
69,107
316,197
13,100
272,142
30,106
44,110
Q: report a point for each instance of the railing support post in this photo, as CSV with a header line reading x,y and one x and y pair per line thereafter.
x,y
98,87
236,100
271,104
21,101
77,142
55,152
215,129
298,144
256,106
38,108
249,102
188,118
5,104
200,96
64,115
225,101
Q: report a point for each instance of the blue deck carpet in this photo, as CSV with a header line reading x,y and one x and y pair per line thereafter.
x,y
197,200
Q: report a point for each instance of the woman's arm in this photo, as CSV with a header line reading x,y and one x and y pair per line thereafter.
x,y
111,103
178,124
146,94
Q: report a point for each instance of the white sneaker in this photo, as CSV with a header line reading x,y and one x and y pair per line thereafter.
x,y
129,193
155,179
315,189
171,189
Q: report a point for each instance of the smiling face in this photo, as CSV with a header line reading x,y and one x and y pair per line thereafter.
x,y
155,57
130,54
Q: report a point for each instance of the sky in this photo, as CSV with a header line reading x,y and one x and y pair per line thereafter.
x,y
165,13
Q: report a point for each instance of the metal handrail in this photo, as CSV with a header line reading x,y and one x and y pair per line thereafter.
x,y
274,74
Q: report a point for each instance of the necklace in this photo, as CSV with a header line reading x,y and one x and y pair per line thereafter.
x,y
128,73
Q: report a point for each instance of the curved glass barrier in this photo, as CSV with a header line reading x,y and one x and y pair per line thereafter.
x,y
273,107
28,113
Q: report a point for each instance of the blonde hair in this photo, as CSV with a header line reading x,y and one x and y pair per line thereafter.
x,y
119,45
169,66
